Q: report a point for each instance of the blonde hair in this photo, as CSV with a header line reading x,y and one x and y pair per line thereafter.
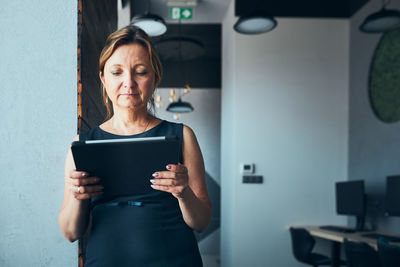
x,y
129,35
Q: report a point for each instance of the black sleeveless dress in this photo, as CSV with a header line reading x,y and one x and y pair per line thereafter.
x,y
144,230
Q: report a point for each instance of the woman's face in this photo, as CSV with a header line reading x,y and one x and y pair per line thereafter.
x,y
129,77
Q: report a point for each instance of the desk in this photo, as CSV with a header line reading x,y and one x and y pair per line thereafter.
x,y
338,237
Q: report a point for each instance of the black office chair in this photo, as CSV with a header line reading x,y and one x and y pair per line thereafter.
x,y
302,245
389,254
360,254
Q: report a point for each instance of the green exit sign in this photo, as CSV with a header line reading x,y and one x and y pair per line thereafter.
x,y
181,13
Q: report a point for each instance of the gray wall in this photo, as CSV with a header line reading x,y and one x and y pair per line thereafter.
x,y
38,107
284,108
374,146
228,141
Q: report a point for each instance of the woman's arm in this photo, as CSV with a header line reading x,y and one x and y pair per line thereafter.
x,y
78,189
187,183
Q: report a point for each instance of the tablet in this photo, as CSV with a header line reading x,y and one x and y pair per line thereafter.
x,y
125,166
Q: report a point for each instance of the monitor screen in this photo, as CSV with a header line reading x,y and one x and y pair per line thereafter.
x,y
350,198
393,195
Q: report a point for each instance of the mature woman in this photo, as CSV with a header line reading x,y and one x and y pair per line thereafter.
x,y
159,232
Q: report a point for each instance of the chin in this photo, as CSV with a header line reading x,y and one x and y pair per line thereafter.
x,y
132,105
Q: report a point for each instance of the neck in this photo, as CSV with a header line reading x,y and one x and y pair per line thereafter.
x,y
130,122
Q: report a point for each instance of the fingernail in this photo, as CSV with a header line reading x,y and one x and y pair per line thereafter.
x,y
152,185
152,181
84,174
169,167
156,174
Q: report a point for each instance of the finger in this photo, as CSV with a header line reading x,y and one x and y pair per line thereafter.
x,y
169,175
168,182
177,168
77,174
175,191
161,187
89,189
87,195
83,181
85,189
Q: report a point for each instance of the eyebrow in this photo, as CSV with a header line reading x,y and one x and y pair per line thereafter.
x,y
120,65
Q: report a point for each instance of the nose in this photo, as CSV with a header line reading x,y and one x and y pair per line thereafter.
x,y
129,81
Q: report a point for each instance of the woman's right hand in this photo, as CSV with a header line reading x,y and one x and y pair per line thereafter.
x,y
82,186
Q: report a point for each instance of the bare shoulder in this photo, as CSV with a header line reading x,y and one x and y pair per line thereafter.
x,y
190,143
188,134
191,148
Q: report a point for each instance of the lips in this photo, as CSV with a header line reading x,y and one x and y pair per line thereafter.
x,y
134,95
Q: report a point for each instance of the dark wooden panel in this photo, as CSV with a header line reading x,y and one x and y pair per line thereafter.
x,y
99,19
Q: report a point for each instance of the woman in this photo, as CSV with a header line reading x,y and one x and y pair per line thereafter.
x,y
159,231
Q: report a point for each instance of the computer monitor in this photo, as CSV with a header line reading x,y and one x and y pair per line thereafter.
x,y
350,200
392,198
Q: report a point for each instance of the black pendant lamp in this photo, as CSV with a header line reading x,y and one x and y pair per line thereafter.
x,y
381,21
180,107
255,24
152,24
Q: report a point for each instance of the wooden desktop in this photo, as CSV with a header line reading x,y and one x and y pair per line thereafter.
x,y
338,237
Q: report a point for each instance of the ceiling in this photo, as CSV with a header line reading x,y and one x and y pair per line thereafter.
x,y
204,70
299,9
213,11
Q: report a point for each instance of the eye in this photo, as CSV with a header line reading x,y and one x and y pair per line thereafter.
x,y
141,73
116,73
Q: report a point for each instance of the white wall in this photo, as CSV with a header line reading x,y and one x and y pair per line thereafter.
x,y
38,107
374,148
284,108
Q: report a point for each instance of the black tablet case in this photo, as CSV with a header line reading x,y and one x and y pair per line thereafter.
x,y
125,168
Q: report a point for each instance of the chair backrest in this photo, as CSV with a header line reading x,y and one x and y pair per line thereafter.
x,y
302,243
389,254
360,254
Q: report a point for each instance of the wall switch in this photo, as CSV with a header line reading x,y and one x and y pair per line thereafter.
x,y
247,168
252,179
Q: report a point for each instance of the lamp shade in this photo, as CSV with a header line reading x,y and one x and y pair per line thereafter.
x,y
255,24
381,21
180,107
152,24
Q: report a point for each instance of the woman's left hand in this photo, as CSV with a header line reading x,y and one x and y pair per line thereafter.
x,y
174,181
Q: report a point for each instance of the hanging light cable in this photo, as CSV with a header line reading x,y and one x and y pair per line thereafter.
x,y
181,106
